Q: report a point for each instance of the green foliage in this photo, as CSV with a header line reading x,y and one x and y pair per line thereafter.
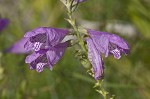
x,y
127,78
140,16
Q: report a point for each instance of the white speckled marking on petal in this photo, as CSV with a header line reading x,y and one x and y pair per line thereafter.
x,y
37,46
116,52
39,67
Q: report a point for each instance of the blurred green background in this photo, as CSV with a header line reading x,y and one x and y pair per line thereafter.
x,y
127,78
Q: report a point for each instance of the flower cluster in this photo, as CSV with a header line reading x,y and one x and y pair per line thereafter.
x,y
46,46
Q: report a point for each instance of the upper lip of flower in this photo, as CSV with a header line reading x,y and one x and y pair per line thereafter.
x,y
103,40
44,37
36,31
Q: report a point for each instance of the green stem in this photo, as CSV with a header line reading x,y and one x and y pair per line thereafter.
x,y
102,91
72,21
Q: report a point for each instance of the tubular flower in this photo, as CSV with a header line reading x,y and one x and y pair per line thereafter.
x,y
45,43
106,43
3,23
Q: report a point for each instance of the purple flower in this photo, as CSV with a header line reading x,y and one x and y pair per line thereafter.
x,y
46,45
106,43
3,23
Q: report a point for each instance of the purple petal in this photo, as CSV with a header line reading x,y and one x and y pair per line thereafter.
x,y
55,55
95,59
39,30
19,46
115,39
55,35
100,39
32,57
37,61
98,33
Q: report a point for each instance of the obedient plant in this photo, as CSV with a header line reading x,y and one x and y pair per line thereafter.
x,y
47,46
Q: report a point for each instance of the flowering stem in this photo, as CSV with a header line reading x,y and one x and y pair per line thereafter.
x,y
72,21
81,43
71,8
102,91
